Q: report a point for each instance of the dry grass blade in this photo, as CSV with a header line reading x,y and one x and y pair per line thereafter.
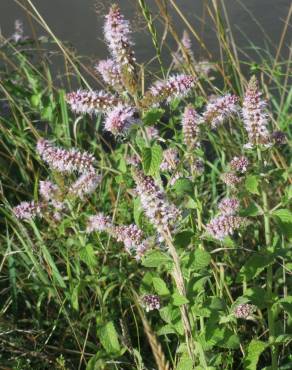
x,y
160,359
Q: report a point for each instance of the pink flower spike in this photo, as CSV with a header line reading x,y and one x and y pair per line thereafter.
x,y
254,115
27,210
91,102
119,120
63,160
221,109
110,72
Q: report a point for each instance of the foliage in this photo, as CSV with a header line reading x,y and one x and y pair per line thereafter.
x,y
77,292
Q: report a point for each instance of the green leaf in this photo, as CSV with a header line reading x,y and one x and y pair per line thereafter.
x,y
138,211
153,116
151,159
160,287
109,337
255,348
257,296
199,259
284,215
166,329
250,211
254,266
286,304
156,259
87,255
183,186
183,239
178,299
251,184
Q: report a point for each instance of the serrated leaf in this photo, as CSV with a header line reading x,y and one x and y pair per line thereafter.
x,y
257,296
254,266
156,259
160,287
178,299
252,184
151,159
87,255
250,211
166,329
137,211
183,186
183,238
284,215
109,337
153,116
255,348
199,259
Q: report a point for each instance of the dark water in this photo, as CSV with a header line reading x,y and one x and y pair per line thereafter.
x,y
77,22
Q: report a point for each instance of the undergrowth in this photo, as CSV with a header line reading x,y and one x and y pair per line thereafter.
x,y
146,224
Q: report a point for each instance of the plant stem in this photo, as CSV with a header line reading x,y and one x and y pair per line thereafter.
x,y
271,322
179,281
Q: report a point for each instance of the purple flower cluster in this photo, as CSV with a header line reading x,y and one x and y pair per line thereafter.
x,y
63,160
27,210
243,311
190,126
110,72
170,159
48,190
230,179
198,167
151,302
224,225
91,102
178,56
221,109
99,222
119,120
117,35
85,184
133,239
254,114
239,164
152,132
130,235
227,222
175,87
228,206
162,214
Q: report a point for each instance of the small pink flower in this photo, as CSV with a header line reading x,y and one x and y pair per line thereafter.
x,y
229,206
239,164
170,159
161,213
254,114
177,86
119,120
110,72
117,34
221,109
63,160
152,132
99,222
244,311
48,190
224,225
151,302
85,184
91,102
27,210
231,179
191,121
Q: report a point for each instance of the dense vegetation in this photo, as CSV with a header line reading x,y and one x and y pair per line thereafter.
x,y
145,224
